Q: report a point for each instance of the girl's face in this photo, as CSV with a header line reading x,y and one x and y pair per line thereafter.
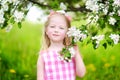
x,y
57,28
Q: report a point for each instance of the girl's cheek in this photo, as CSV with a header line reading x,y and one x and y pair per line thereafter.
x,y
63,34
49,33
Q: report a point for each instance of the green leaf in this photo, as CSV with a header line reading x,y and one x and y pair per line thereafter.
x,y
87,40
4,25
110,42
94,44
105,45
83,27
73,43
101,23
12,20
19,25
116,17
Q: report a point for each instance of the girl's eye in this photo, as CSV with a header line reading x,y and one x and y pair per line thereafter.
x,y
52,26
61,28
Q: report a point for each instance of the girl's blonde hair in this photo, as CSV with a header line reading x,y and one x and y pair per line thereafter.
x,y
45,42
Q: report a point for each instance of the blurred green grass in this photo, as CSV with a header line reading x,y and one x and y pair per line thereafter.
x,y
19,50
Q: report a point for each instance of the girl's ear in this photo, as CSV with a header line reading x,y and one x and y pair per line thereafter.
x,y
46,31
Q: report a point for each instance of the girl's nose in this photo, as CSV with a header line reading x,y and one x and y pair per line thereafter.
x,y
56,30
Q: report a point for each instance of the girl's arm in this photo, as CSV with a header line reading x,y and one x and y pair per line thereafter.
x,y
40,68
80,67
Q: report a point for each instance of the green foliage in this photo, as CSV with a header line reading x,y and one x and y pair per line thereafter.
x,y
101,64
19,25
8,8
19,50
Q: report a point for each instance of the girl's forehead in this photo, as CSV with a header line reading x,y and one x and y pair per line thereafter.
x,y
58,20
59,17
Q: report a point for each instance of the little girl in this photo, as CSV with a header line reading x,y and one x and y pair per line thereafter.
x,y
49,66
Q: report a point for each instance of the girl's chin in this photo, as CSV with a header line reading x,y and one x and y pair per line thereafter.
x,y
56,40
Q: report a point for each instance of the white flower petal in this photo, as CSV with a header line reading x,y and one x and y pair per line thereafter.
x,y
63,6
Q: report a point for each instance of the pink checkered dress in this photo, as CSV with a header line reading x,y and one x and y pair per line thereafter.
x,y
56,69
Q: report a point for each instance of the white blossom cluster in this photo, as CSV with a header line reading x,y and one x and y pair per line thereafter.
x,y
63,6
72,51
63,58
76,33
112,21
115,38
92,5
17,16
2,19
92,19
97,7
5,4
9,1
98,39
118,12
116,3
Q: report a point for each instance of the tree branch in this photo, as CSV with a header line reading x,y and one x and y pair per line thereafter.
x,y
70,8
39,4
79,9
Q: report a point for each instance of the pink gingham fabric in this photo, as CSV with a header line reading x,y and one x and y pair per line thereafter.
x,y
56,69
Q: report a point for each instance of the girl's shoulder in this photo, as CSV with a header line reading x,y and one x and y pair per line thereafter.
x,y
43,52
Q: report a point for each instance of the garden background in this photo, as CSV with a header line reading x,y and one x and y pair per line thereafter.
x,y
19,51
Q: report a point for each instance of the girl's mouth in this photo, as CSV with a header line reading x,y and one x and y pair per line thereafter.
x,y
55,35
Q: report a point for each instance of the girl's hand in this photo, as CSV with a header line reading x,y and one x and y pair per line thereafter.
x,y
76,48
80,67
